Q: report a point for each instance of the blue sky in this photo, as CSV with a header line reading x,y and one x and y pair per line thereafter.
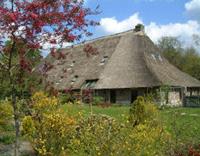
x,y
179,18
162,11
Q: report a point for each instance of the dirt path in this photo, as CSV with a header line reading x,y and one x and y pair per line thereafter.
x,y
25,149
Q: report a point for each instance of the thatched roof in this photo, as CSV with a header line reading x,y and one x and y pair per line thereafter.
x,y
125,60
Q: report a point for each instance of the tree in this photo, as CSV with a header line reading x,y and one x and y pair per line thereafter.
x,y
30,23
23,77
191,62
171,48
186,59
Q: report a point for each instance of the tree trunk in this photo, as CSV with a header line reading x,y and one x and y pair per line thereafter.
x,y
17,124
14,101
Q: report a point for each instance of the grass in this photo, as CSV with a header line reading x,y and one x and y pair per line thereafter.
x,y
7,135
182,123
117,112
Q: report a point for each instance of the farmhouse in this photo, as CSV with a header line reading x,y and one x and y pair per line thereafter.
x,y
124,66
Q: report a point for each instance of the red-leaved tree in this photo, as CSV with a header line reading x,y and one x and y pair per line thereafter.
x,y
29,24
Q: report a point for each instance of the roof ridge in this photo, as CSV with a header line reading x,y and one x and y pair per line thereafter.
x,y
100,38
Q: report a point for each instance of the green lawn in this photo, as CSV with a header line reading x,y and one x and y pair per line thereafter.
x,y
183,123
118,112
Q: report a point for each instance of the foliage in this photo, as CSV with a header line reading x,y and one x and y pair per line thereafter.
x,y
97,100
54,132
48,128
148,133
42,103
28,126
102,135
186,59
162,94
76,132
27,25
65,98
184,129
97,135
7,138
24,82
6,112
147,139
6,127
57,132
142,110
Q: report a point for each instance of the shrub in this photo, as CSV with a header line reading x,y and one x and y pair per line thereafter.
x,y
49,129
66,98
142,110
6,112
6,127
148,136
102,135
42,104
28,126
54,132
97,135
97,100
146,139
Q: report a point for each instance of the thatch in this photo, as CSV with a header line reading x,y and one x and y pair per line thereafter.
x,y
125,60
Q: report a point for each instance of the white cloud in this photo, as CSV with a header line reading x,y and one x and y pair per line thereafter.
x,y
112,25
192,5
48,45
155,31
193,9
182,30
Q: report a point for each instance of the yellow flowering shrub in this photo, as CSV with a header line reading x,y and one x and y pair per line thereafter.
x,y
48,128
54,132
147,140
42,103
102,135
28,126
96,135
147,136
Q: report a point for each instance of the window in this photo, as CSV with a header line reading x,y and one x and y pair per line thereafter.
x,y
157,56
103,61
75,78
89,84
73,63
